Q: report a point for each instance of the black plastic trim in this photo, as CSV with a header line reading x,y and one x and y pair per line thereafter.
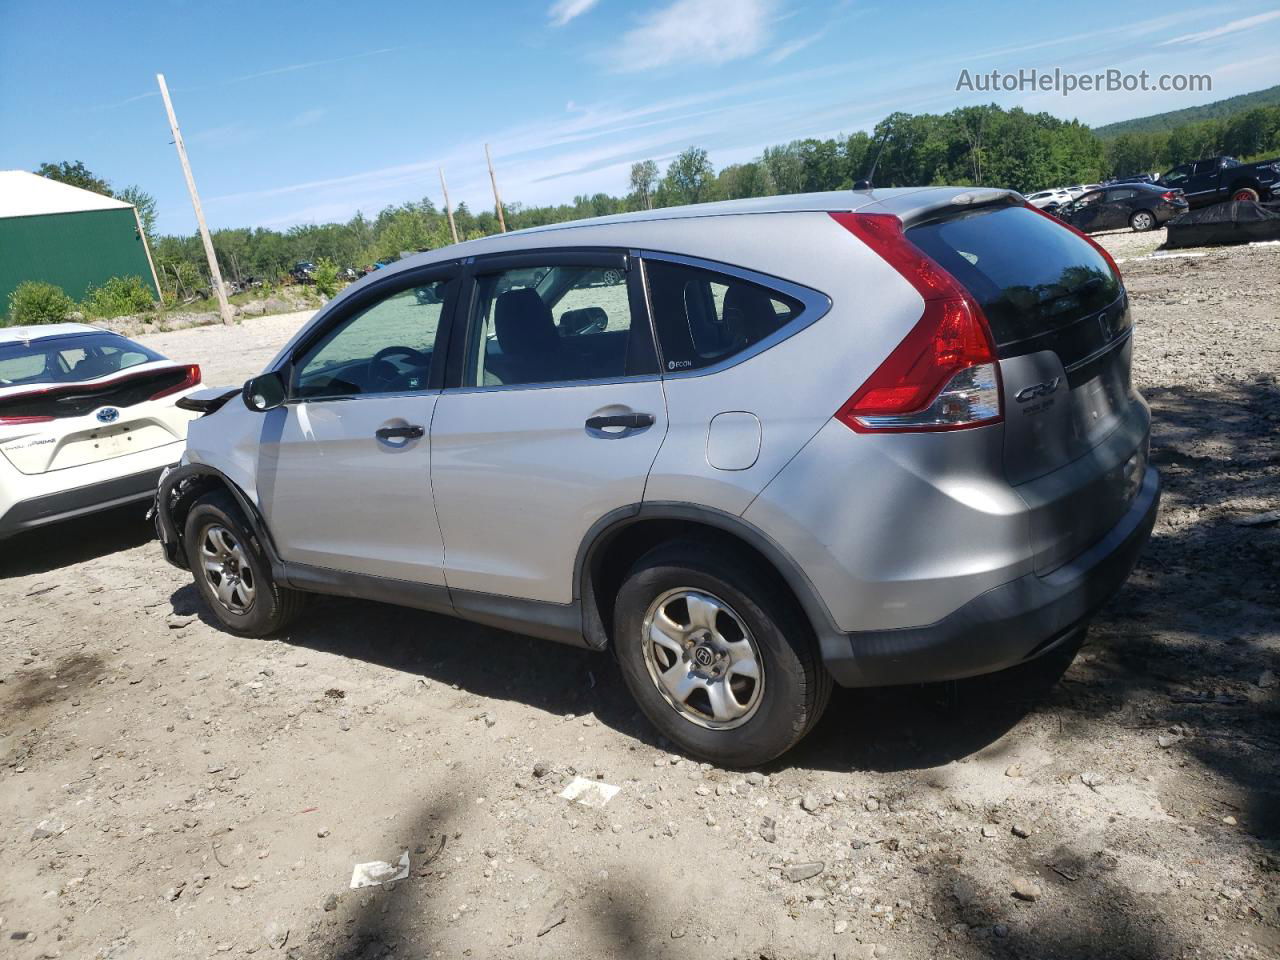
x,y
602,532
206,405
549,621
171,537
360,586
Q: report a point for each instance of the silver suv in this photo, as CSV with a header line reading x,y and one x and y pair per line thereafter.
x,y
753,447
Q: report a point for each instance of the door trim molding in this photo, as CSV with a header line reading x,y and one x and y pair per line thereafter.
x,y
536,618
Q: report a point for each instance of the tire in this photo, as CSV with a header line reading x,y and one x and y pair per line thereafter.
x,y
765,716
1142,221
251,603
1246,193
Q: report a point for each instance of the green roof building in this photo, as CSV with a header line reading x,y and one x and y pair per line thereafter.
x,y
63,235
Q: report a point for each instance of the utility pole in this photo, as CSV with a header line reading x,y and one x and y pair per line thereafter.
x,y
497,200
219,290
453,227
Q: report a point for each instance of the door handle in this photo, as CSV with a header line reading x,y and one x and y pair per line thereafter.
x,y
632,421
399,433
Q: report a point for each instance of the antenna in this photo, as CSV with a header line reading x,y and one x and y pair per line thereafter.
x,y
865,182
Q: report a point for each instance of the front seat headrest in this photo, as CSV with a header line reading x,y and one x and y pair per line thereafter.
x,y
524,324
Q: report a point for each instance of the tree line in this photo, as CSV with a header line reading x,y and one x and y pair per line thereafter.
x,y
978,145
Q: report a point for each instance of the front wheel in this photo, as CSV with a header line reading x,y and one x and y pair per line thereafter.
x,y
717,656
1142,221
1246,193
232,572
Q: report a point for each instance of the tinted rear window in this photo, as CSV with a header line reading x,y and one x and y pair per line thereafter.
x,y
1030,274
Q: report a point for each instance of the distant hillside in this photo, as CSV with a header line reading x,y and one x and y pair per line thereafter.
x,y
1164,122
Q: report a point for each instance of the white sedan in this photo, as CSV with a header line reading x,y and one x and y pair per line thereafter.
x,y
88,420
1049,199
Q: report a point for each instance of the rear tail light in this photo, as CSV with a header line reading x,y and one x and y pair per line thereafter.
x,y
12,421
944,374
186,383
1171,196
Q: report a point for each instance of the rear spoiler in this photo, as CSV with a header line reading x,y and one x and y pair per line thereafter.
x,y
205,402
961,202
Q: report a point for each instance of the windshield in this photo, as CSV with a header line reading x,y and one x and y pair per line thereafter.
x,y
69,359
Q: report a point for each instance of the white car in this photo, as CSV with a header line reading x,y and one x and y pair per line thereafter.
x,y
87,421
1049,199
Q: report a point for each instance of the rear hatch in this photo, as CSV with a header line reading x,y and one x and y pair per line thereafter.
x,y
55,426
1075,433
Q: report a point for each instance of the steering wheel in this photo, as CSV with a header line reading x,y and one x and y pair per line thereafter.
x,y
384,373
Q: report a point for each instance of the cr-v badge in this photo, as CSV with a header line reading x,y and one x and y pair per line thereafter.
x,y
1037,390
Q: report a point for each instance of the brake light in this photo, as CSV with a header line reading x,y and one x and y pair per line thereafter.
x,y
190,380
944,375
1083,236
1169,196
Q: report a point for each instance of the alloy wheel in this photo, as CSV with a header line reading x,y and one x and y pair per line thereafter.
x,y
227,569
702,659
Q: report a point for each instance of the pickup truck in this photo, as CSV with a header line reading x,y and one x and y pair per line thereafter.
x,y
1224,178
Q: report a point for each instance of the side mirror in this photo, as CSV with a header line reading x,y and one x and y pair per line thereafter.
x,y
263,393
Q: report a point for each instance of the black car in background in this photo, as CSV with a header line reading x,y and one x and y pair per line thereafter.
x,y
1142,206
1219,179
303,272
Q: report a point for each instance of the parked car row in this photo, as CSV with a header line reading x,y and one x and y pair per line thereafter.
x,y
1140,206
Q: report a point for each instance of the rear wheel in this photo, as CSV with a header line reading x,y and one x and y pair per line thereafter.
x,y
1246,193
232,572
1142,221
717,656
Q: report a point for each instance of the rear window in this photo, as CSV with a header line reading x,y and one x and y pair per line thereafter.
x,y
704,317
1030,274
70,359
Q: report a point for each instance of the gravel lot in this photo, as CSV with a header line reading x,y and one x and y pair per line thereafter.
x,y
169,790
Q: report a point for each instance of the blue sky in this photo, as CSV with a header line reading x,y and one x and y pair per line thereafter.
x,y
297,113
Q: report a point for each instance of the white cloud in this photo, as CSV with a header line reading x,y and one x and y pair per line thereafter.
x,y
562,11
1235,26
795,46
696,34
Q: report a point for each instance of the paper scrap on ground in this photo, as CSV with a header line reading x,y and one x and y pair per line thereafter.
x,y
589,793
377,872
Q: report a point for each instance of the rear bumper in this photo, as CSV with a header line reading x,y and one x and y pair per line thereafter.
x,y
1008,624
78,501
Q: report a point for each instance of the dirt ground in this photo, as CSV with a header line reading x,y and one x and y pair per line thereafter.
x,y
168,790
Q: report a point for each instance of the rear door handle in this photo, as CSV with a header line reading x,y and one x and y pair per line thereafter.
x,y
632,421
399,433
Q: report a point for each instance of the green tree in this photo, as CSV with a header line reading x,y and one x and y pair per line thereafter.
x,y
325,276
785,167
144,203
76,174
690,177
643,181
740,180
34,302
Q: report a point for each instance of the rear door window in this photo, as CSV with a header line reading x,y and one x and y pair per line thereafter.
x,y
1029,274
554,323
704,317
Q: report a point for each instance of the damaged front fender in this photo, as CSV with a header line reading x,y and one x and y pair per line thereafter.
x,y
180,487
